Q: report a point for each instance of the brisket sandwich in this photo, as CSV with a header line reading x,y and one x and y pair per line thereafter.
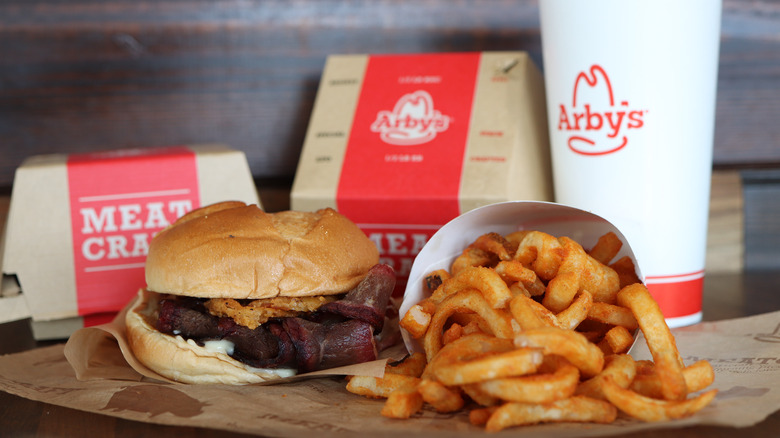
x,y
236,295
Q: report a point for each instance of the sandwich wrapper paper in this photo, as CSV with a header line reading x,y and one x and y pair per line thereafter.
x,y
96,372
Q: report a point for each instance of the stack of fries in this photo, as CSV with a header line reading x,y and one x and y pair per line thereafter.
x,y
529,328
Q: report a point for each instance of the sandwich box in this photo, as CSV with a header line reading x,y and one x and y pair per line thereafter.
x,y
401,144
79,226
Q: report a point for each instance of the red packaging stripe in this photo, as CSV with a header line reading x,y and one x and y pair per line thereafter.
x,y
677,295
406,148
98,319
398,246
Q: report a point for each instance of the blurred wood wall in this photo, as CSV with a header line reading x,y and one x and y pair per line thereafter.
x,y
88,75
85,75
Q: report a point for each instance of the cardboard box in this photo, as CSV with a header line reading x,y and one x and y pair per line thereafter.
x,y
79,226
401,144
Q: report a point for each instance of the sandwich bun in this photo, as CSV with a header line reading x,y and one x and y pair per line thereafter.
x,y
234,250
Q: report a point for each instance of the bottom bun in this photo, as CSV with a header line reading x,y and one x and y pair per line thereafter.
x,y
178,359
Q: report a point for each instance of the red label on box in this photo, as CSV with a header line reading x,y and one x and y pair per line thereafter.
x,y
398,245
98,319
118,201
406,148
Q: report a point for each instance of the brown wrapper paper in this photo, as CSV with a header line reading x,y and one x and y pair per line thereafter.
x,y
745,354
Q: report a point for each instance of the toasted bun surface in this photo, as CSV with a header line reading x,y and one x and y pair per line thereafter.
x,y
179,360
234,250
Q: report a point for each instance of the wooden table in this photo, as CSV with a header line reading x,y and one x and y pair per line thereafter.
x,y
726,296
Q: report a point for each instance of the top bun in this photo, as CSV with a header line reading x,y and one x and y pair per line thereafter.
x,y
234,250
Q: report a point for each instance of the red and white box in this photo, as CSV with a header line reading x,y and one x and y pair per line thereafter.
x,y
401,144
79,226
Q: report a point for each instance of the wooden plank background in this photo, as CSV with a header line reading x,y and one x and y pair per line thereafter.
x,y
86,75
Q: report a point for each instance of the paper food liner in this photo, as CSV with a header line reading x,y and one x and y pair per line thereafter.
x,y
503,218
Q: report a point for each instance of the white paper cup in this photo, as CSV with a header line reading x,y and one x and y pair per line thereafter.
x,y
631,104
503,218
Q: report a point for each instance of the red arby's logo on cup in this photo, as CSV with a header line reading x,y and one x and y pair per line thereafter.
x,y
412,121
597,122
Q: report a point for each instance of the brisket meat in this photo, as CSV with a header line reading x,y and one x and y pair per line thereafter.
x,y
341,332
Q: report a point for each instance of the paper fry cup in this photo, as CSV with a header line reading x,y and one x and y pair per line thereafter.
x,y
503,218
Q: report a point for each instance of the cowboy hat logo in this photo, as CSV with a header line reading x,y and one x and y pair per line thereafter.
x,y
412,121
595,123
